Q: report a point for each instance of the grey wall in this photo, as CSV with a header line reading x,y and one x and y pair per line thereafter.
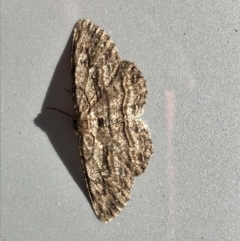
x,y
189,53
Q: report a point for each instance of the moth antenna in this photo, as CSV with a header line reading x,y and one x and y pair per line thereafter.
x,y
50,108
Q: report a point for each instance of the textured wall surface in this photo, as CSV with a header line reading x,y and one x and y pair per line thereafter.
x,y
189,54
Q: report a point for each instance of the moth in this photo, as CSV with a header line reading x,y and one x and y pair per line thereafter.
x,y
108,95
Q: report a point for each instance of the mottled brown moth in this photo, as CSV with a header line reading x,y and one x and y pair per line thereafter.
x,y
108,96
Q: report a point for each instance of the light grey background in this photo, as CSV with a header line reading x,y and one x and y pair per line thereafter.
x,y
189,53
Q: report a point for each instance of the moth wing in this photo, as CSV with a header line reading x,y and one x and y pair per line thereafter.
x,y
140,149
108,170
135,93
134,89
123,101
93,63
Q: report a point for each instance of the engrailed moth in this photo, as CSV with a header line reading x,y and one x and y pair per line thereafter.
x,y
108,95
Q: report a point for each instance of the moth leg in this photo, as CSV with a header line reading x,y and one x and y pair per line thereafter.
x,y
68,90
49,108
